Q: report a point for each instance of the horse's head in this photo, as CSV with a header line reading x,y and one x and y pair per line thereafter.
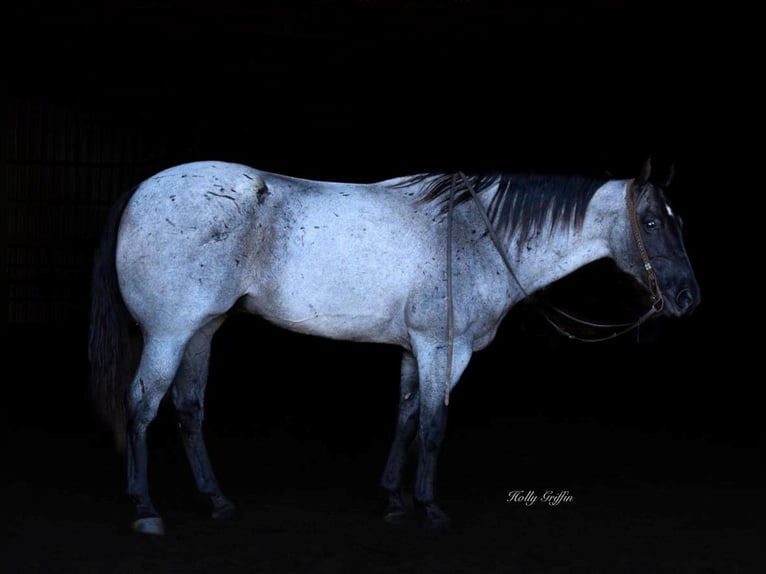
x,y
654,252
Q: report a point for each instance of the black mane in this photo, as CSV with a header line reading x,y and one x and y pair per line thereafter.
x,y
523,203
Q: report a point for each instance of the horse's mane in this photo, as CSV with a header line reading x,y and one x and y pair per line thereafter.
x,y
523,202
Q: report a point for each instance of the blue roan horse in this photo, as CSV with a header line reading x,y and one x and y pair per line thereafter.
x,y
431,263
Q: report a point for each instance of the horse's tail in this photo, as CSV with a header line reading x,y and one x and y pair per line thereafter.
x,y
114,341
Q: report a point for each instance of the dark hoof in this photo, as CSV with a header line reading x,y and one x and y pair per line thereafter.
x,y
398,517
225,513
437,525
434,519
399,508
149,525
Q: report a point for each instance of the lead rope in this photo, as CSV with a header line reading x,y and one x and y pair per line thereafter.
x,y
656,294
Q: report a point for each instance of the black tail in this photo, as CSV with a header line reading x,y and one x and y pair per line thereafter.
x,y
114,343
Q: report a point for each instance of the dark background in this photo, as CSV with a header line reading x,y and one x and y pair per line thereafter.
x,y
97,96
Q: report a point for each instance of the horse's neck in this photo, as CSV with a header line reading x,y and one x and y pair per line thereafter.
x,y
549,256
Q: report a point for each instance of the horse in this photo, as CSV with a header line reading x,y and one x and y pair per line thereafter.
x,y
431,263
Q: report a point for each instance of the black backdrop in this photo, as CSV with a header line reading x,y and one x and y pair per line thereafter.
x,y
360,91
364,90
98,95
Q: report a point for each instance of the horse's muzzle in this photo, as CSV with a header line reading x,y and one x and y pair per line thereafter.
x,y
683,303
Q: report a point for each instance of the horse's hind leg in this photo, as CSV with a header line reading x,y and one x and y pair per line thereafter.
x,y
158,366
188,394
397,509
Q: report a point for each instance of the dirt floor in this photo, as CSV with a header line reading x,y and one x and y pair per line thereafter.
x,y
641,503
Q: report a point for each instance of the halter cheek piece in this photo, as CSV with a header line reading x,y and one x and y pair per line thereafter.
x,y
654,287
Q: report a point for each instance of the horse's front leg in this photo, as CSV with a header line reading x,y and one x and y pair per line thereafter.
x,y
433,422
188,393
397,509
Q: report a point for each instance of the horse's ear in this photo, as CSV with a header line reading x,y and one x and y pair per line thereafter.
x,y
669,178
646,171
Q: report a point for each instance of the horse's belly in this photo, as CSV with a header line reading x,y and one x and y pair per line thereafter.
x,y
352,289
352,305
342,326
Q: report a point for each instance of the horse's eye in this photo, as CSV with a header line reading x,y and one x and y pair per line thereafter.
x,y
651,224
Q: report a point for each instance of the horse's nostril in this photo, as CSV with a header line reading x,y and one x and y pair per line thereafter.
x,y
684,299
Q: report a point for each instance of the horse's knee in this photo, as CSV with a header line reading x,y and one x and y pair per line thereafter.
x,y
189,416
432,429
139,419
431,444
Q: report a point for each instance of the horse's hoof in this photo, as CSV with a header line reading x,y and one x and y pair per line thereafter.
x,y
225,513
437,524
398,509
434,519
149,525
397,517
